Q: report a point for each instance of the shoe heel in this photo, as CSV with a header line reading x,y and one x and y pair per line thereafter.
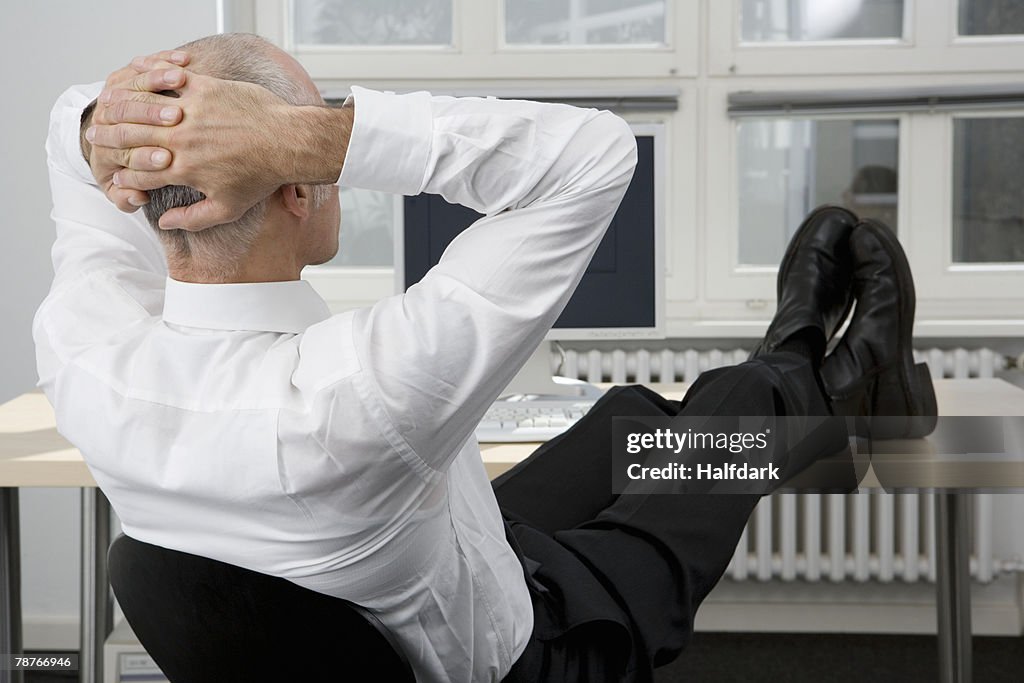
x,y
904,413
925,408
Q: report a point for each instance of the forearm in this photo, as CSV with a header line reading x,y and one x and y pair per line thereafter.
x,y
91,233
320,137
483,153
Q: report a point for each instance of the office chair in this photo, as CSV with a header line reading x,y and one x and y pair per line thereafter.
x,y
206,621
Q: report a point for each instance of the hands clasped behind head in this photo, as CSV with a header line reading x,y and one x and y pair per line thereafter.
x,y
144,137
129,97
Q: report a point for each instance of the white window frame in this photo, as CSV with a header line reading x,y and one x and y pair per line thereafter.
x,y
994,302
491,59
930,44
682,207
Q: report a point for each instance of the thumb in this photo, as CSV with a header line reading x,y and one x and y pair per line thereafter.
x,y
198,216
127,200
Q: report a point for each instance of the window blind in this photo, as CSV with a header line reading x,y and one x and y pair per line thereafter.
x,y
808,102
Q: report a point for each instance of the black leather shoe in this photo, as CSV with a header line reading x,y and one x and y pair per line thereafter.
x,y
871,371
815,275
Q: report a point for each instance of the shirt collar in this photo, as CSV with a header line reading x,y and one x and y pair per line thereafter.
x,y
288,307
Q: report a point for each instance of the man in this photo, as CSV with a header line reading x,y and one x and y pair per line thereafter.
x,y
226,413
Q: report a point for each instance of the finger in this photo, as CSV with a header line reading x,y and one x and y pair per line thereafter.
x,y
157,80
126,200
151,65
129,106
119,77
127,135
122,78
149,159
138,158
132,179
198,216
150,81
163,97
169,57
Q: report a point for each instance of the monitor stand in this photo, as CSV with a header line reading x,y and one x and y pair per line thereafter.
x,y
534,381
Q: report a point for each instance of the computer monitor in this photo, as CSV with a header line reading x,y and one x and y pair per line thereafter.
x,y
621,295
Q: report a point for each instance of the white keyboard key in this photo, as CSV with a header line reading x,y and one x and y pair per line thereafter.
x,y
530,420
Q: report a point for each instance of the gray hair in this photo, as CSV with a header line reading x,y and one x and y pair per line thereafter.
x,y
215,253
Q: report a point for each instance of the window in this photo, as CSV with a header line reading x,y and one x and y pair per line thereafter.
x,y
766,21
372,22
787,167
772,164
863,37
907,111
487,40
367,236
585,22
988,206
991,17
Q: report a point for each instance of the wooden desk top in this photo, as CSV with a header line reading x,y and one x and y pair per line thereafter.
x,y
32,453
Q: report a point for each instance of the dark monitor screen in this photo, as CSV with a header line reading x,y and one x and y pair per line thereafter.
x,y
619,288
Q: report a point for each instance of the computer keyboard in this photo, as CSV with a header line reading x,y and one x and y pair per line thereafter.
x,y
530,420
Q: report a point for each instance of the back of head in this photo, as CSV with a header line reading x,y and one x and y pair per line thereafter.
x,y
214,254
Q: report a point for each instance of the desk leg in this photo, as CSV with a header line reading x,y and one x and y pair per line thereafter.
x,y
953,586
10,581
97,618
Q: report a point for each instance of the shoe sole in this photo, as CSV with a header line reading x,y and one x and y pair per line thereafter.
x,y
904,405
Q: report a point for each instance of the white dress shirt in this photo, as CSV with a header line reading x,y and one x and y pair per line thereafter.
x,y
245,423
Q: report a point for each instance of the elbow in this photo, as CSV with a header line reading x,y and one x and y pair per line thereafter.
x,y
599,156
618,152
622,136
619,141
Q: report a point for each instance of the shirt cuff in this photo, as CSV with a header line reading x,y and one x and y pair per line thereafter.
x,y
63,145
390,142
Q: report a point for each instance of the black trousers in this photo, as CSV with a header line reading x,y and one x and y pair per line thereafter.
x,y
616,580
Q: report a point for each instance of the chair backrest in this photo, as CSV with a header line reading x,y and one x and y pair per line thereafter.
x,y
203,620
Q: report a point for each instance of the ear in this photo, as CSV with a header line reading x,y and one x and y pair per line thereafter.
x,y
296,200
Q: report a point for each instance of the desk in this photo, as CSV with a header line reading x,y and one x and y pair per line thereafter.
x,y
33,454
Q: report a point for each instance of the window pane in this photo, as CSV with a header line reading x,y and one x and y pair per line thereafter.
x,y
367,229
768,21
991,17
584,22
372,22
988,206
787,167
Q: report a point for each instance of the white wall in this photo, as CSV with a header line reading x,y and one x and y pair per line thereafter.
x,y
45,47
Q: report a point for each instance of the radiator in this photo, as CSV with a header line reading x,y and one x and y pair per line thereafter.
x,y
822,537
668,365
